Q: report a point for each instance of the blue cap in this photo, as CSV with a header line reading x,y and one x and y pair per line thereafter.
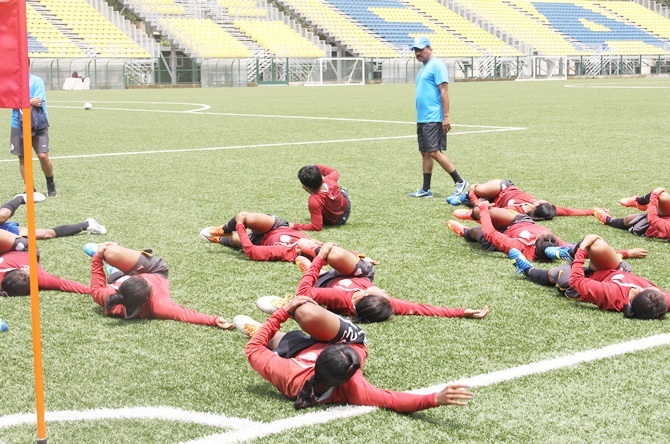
x,y
420,43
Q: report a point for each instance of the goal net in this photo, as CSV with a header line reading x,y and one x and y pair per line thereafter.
x,y
337,71
543,68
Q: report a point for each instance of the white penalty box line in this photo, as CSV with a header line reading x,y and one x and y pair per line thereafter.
x,y
240,430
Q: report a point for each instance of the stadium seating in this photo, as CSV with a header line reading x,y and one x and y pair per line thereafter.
x,y
641,16
462,27
203,38
280,39
44,40
101,37
341,29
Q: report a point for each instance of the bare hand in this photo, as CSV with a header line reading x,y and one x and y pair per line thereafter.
x,y
222,323
588,241
325,250
453,394
446,124
241,218
296,302
103,247
477,314
658,190
637,253
36,101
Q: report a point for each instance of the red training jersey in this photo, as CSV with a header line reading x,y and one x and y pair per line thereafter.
x,y
608,289
159,305
338,296
521,235
514,199
659,226
277,245
327,205
19,260
290,375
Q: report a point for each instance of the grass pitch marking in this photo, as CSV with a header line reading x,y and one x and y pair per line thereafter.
x,y
240,430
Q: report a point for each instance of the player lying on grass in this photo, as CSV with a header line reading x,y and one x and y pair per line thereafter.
x,y
328,203
347,290
654,223
7,210
138,287
503,229
15,270
271,238
607,282
324,362
504,194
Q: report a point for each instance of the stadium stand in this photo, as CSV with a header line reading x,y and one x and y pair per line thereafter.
x,y
101,37
585,22
280,39
44,40
203,38
342,30
459,26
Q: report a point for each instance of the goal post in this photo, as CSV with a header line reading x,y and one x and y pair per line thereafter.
x,y
543,68
337,71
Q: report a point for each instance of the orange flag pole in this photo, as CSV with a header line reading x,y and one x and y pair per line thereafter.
x,y
34,287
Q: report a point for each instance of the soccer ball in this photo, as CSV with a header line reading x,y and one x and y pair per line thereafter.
x,y
88,105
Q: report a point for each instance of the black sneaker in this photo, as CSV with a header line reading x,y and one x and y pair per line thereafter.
x,y
51,190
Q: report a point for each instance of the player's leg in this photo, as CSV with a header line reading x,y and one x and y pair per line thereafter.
x,y
664,204
259,223
8,209
487,190
602,256
317,322
500,217
343,261
120,257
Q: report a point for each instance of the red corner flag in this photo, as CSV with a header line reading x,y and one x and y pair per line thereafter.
x,y
14,92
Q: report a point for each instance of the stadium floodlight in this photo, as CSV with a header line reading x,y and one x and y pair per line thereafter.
x,y
337,71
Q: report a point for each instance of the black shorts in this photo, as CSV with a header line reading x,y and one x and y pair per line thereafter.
x,y
40,142
431,137
256,239
639,225
363,269
345,216
146,264
296,341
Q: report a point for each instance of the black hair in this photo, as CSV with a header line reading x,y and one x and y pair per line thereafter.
x,y
543,211
543,241
132,293
16,283
310,176
647,304
374,308
334,366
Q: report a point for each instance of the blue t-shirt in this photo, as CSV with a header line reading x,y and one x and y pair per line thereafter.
x,y
36,90
428,103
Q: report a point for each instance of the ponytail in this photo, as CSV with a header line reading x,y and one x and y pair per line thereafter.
x,y
305,397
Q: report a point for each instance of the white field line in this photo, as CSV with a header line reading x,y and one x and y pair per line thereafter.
x,y
616,87
240,430
264,145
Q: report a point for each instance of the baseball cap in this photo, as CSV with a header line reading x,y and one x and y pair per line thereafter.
x,y
420,43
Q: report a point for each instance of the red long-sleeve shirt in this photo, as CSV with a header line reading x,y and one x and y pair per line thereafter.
x,y
659,226
45,281
290,375
521,235
608,289
159,305
277,245
515,199
325,206
338,296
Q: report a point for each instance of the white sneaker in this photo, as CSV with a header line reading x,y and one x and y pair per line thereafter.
x,y
246,325
270,304
37,197
94,227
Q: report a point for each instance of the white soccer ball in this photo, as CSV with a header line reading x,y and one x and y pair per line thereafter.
x,y
88,105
